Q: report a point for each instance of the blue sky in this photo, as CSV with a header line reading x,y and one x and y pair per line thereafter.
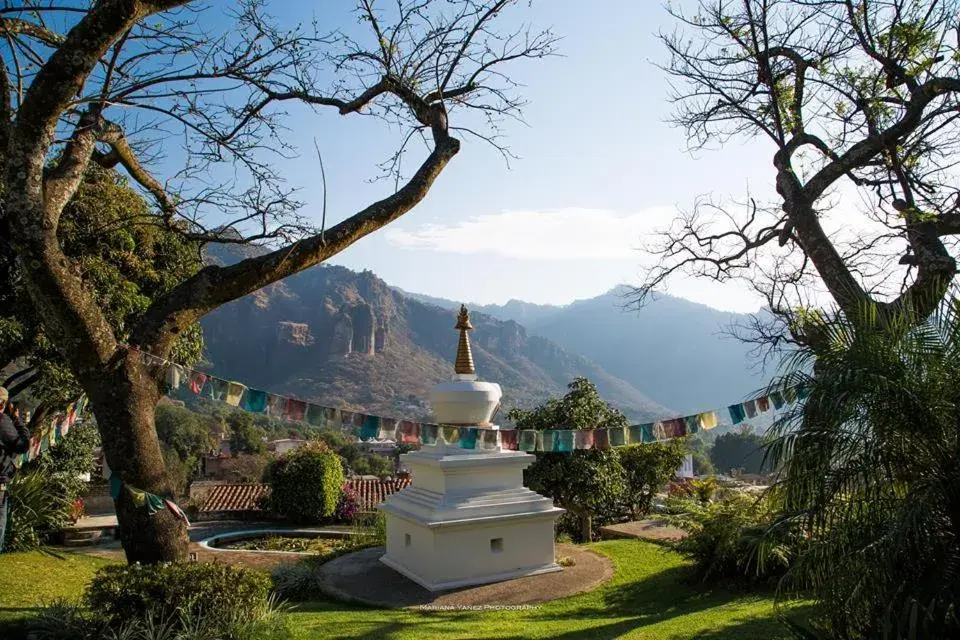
x,y
599,170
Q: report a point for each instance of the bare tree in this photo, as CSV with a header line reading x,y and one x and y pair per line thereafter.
x,y
859,100
123,83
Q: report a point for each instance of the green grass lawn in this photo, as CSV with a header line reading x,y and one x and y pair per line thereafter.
x,y
649,597
29,579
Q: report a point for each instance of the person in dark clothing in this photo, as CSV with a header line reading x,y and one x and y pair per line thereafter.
x,y
14,440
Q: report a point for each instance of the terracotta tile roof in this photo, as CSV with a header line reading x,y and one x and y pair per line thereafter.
x,y
235,497
373,492
246,497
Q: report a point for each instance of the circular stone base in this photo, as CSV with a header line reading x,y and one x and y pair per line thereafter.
x,y
361,577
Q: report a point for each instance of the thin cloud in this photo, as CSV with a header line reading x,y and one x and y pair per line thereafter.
x,y
561,234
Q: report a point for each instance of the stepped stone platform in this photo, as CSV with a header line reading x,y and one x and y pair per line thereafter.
x,y
360,577
652,530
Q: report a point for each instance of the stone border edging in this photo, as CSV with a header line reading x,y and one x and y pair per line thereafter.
x,y
208,543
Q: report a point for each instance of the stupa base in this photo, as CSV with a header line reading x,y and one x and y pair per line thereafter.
x,y
466,582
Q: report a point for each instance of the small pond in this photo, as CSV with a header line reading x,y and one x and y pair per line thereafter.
x,y
309,541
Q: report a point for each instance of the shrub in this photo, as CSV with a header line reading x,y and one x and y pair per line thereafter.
x,y
63,620
704,489
348,508
729,540
297,582
306,484
219,594
38,508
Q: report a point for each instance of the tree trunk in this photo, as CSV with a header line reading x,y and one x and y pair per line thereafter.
x,y
586,526
124,401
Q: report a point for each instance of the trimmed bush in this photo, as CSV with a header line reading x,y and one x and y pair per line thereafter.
x,y
306,484
219,594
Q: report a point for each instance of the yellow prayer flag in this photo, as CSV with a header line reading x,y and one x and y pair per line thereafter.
x,y
234,393
708,420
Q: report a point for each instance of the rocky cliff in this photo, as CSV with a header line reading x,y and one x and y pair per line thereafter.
x,y
348,339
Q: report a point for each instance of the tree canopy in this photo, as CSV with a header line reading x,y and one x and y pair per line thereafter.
x,y
857,104
121,84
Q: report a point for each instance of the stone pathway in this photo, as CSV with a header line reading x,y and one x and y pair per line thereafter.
x,y
361,577
653,530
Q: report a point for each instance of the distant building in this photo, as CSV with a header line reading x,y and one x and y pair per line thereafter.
x,y
285,445
219,501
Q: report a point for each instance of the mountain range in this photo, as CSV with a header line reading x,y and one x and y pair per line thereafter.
x,y
348,339
677,352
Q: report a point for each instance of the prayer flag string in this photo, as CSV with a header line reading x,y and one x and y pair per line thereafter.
x,y
369,427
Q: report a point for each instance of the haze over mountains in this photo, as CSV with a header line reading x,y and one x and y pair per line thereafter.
x,y
675,351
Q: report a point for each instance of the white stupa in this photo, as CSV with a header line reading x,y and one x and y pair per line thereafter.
x,y
467,519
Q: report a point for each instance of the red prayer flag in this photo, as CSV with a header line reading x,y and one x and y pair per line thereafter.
x,y
197,380
294,409
509,439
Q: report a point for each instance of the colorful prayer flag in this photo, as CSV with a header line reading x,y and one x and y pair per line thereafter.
x,y
294,409
691,424
450,434
583,439
737,413
176,511
750,407
564,441
234,393
777,399
468,438
635,434
388,429
709,420
369,428
276,405
601,438
217,388
547,440
648,435
174,376
528,440
675,428
618,436
197,380
316,415
255,401
115,485
763,404
409,431
154,503
489,439
509,439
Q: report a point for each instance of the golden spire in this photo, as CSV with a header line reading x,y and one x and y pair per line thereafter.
x,y
464,364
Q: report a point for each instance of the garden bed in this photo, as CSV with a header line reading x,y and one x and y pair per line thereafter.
x,y
306,541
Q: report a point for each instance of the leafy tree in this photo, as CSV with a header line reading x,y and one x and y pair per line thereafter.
x,y
71,460
116,84
857,103
245,435
869,470
188,434
126,266
741,449
371,464
700,450
648,468
306,484
585,483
